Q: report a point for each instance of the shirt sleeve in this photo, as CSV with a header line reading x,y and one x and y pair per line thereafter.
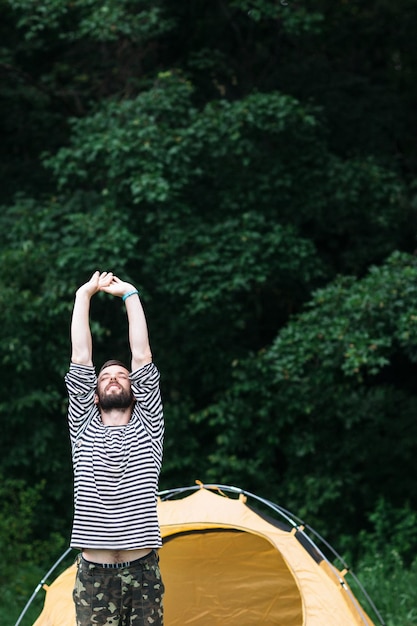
x,y
81,383
148,407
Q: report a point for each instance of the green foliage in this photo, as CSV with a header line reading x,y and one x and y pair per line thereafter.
x,y
16,520
19,543
392,587
137,20
149,151
393,527
335,395
121,149
218,262
35,17
383,559
294,19
375,315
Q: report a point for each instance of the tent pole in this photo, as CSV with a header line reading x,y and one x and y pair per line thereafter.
x,y
40,585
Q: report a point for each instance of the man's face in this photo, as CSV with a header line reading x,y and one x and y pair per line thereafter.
x,y
114,389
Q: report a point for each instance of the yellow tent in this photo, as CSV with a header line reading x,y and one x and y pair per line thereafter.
x,y
224,563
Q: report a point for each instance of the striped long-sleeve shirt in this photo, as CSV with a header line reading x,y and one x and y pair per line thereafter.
x,y
116,468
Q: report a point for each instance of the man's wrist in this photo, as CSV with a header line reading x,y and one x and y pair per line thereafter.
x,y
83,293
131,292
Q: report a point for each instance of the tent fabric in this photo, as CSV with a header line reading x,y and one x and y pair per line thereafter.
x,y
59,607
273,581
224,564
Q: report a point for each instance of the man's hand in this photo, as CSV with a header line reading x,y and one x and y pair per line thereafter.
x,y
82,348
96,283
115,286
138,331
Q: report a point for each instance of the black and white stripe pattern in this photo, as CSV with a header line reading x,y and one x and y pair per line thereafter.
x,y
116,468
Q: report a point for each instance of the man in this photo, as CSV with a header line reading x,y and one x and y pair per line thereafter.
x,y
116,430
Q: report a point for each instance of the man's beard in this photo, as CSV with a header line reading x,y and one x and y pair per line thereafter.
x,y
110,401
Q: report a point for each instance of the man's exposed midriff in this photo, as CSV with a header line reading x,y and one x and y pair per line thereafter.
x,y
114,556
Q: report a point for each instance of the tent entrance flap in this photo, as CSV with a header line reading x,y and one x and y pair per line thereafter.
x,y
222,577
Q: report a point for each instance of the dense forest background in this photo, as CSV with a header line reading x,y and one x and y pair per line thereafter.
x,y
252,167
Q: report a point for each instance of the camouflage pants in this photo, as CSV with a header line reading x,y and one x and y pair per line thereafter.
x,y
129,596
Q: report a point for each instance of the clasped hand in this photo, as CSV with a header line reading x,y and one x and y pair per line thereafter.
x,y
108,282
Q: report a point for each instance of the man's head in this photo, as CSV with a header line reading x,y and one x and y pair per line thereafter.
x,y
113,387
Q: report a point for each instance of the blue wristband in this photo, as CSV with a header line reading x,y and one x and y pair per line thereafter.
x,y
130,293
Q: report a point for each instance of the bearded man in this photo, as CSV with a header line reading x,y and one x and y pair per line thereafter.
x,y
116,430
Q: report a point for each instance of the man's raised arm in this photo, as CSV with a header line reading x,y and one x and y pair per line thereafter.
x,y
82,345
138,329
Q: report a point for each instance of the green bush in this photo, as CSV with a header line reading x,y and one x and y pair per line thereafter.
x,y
25,557
386,562
391,585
